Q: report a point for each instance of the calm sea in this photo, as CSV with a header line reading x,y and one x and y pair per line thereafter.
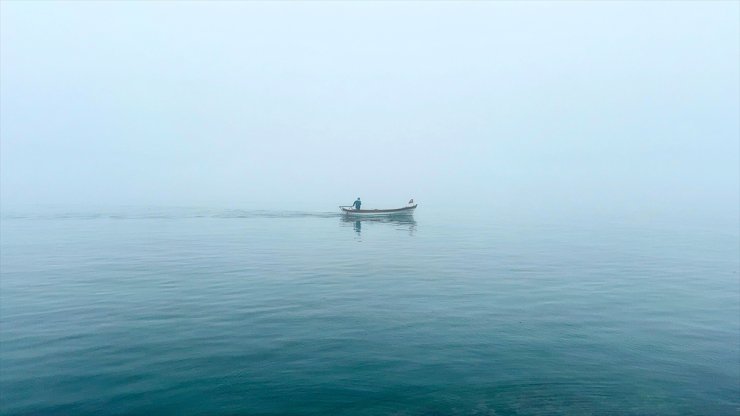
x,y
229,312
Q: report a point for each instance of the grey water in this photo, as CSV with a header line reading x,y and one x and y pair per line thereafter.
x,y
227,312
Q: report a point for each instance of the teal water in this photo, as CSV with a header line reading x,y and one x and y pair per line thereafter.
x,y
226,312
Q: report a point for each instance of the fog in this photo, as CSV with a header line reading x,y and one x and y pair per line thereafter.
x,y
542,106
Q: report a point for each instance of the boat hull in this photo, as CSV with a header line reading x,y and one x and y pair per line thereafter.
x,y
378,212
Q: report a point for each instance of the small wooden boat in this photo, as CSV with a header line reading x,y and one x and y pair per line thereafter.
x,y
348,210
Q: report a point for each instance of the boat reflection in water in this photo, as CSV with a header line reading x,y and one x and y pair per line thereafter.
x,y
401,222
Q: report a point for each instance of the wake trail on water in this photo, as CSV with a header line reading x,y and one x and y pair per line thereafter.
x,y
221,214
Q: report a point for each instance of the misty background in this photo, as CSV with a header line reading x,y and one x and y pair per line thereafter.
x,y
573,107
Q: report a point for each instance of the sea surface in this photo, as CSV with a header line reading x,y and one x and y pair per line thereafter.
x,y
243,312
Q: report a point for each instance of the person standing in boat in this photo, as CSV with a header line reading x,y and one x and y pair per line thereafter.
x,y
357,203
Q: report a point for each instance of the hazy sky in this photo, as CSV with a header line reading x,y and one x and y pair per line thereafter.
x,y
517,106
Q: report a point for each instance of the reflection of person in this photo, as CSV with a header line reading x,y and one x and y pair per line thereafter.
x,y
357,203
